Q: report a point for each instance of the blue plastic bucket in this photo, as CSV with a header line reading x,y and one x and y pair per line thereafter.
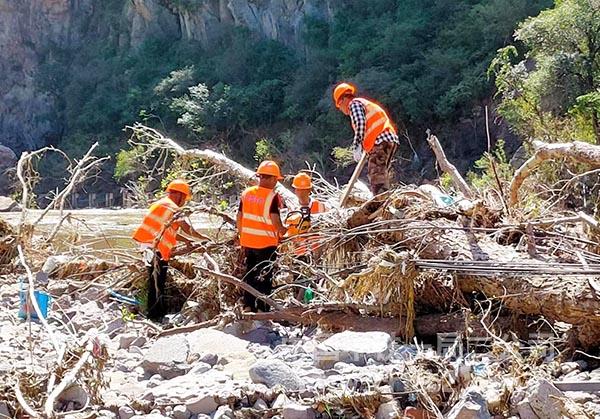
x,y
43,300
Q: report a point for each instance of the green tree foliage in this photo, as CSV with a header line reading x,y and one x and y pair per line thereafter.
x,y
553,91
424,60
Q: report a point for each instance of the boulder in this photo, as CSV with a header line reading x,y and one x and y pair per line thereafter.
x,y
232,352
126,412
260,405
202,404
275,372
389,410
4,412
8,204
224,412
354,348
167,357
471,405
181,412
127,340
297,411
543,399
281,401
74,395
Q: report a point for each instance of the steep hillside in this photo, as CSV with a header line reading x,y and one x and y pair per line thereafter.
x,y
251,78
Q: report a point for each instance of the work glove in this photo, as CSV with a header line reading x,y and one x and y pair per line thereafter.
x,y
357,152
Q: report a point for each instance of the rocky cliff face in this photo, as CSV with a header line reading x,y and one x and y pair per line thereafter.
x,y
31,29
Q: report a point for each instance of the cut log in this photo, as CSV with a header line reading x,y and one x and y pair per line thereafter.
x,y
577,150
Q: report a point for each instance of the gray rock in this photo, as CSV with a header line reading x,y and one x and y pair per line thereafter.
x,y
105,414
202,404
231,351
389,410
580,396
297,411
224,412
525,411
210,359
471,405
127,340
4,413
568,367
354,348
543,398
75,395
126,412
181,412
8,204
199,368
167,357
275,372
281,401
260,405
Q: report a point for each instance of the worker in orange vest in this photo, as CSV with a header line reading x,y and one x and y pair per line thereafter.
x,y
374,134
299,221
260,229
158,234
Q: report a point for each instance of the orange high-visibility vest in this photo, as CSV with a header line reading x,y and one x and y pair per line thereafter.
x,y
302,244
377,122
154,230
256,229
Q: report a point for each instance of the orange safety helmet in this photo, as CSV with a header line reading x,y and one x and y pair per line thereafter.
x,y
180,185
270,168
302,181
341,90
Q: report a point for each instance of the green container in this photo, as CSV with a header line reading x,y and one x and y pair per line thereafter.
x,y
308,295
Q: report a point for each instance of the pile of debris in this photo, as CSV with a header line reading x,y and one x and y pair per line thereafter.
x,y
425,304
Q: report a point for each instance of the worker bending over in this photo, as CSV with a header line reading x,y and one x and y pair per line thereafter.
x,y
260,229
374,134
157,235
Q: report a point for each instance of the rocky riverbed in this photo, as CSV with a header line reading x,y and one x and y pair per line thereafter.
x,y
263,369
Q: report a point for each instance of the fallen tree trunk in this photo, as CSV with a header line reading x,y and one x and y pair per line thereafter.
x,y
338,317
577,150
568,299
152,137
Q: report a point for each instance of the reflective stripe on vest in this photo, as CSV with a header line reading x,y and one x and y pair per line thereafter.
x,y
377,122
153,229
257,230
302,244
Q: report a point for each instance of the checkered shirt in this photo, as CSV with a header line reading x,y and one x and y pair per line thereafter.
x,y
358,115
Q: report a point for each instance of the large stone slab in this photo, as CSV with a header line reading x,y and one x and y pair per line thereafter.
x,y
167,357
232,352
353,348
544,399
275,372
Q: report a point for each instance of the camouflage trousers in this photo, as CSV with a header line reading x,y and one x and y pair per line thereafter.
x,y
378,166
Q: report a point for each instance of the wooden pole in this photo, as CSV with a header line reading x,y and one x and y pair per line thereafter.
x,y
353,179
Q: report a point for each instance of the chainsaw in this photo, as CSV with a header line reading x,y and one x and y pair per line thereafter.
x,y
298,222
